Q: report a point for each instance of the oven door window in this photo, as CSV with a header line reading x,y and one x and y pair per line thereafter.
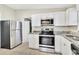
x,y
46,41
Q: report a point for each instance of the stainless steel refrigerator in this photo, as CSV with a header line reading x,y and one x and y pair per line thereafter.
x,y
11,34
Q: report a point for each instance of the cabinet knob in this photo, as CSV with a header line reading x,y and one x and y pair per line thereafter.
x,y
64,44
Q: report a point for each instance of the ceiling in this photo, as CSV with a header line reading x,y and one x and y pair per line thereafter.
x,y
38,6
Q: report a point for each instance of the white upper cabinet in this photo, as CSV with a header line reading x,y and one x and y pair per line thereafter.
x,y
36,20
59,18
71,16
78,22
77,7
66,18
47,16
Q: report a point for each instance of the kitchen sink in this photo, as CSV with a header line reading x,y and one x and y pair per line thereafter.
x,y
76,38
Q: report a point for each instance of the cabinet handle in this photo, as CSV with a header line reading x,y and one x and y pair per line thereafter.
x,y
64,44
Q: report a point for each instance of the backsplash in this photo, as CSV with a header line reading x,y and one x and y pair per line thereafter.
x,y
66,28
57,28
38,28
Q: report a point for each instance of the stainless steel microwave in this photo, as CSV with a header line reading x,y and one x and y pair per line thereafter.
x,y
47,22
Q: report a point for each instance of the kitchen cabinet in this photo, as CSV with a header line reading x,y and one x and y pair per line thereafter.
x,y
66,18
36,20
47,16
71,16
43,16
65,46
57,43
77,7
62,45
33,41
78,22
59,18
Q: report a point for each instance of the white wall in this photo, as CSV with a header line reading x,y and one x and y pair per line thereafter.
x,y
6,13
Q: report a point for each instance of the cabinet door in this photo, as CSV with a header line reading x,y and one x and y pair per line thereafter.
x,y
71,16
78,22
66,47
47,16
63,50
30,38
44,16
34,41
36,20
57,44
59,19
77,7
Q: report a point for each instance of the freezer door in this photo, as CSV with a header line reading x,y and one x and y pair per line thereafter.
x,y
18,25
12,25
12,39
18,37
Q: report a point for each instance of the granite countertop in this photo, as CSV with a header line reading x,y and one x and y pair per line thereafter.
x,y
36,32
48,35
43,35
61,32
55,32
71,40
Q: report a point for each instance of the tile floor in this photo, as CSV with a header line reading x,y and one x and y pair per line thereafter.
x,y
22,49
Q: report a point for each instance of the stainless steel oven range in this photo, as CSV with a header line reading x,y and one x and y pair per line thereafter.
x,y
47,41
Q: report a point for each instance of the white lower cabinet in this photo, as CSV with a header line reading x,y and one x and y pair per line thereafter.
x,y
62,45
33,41
57,44
65,46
